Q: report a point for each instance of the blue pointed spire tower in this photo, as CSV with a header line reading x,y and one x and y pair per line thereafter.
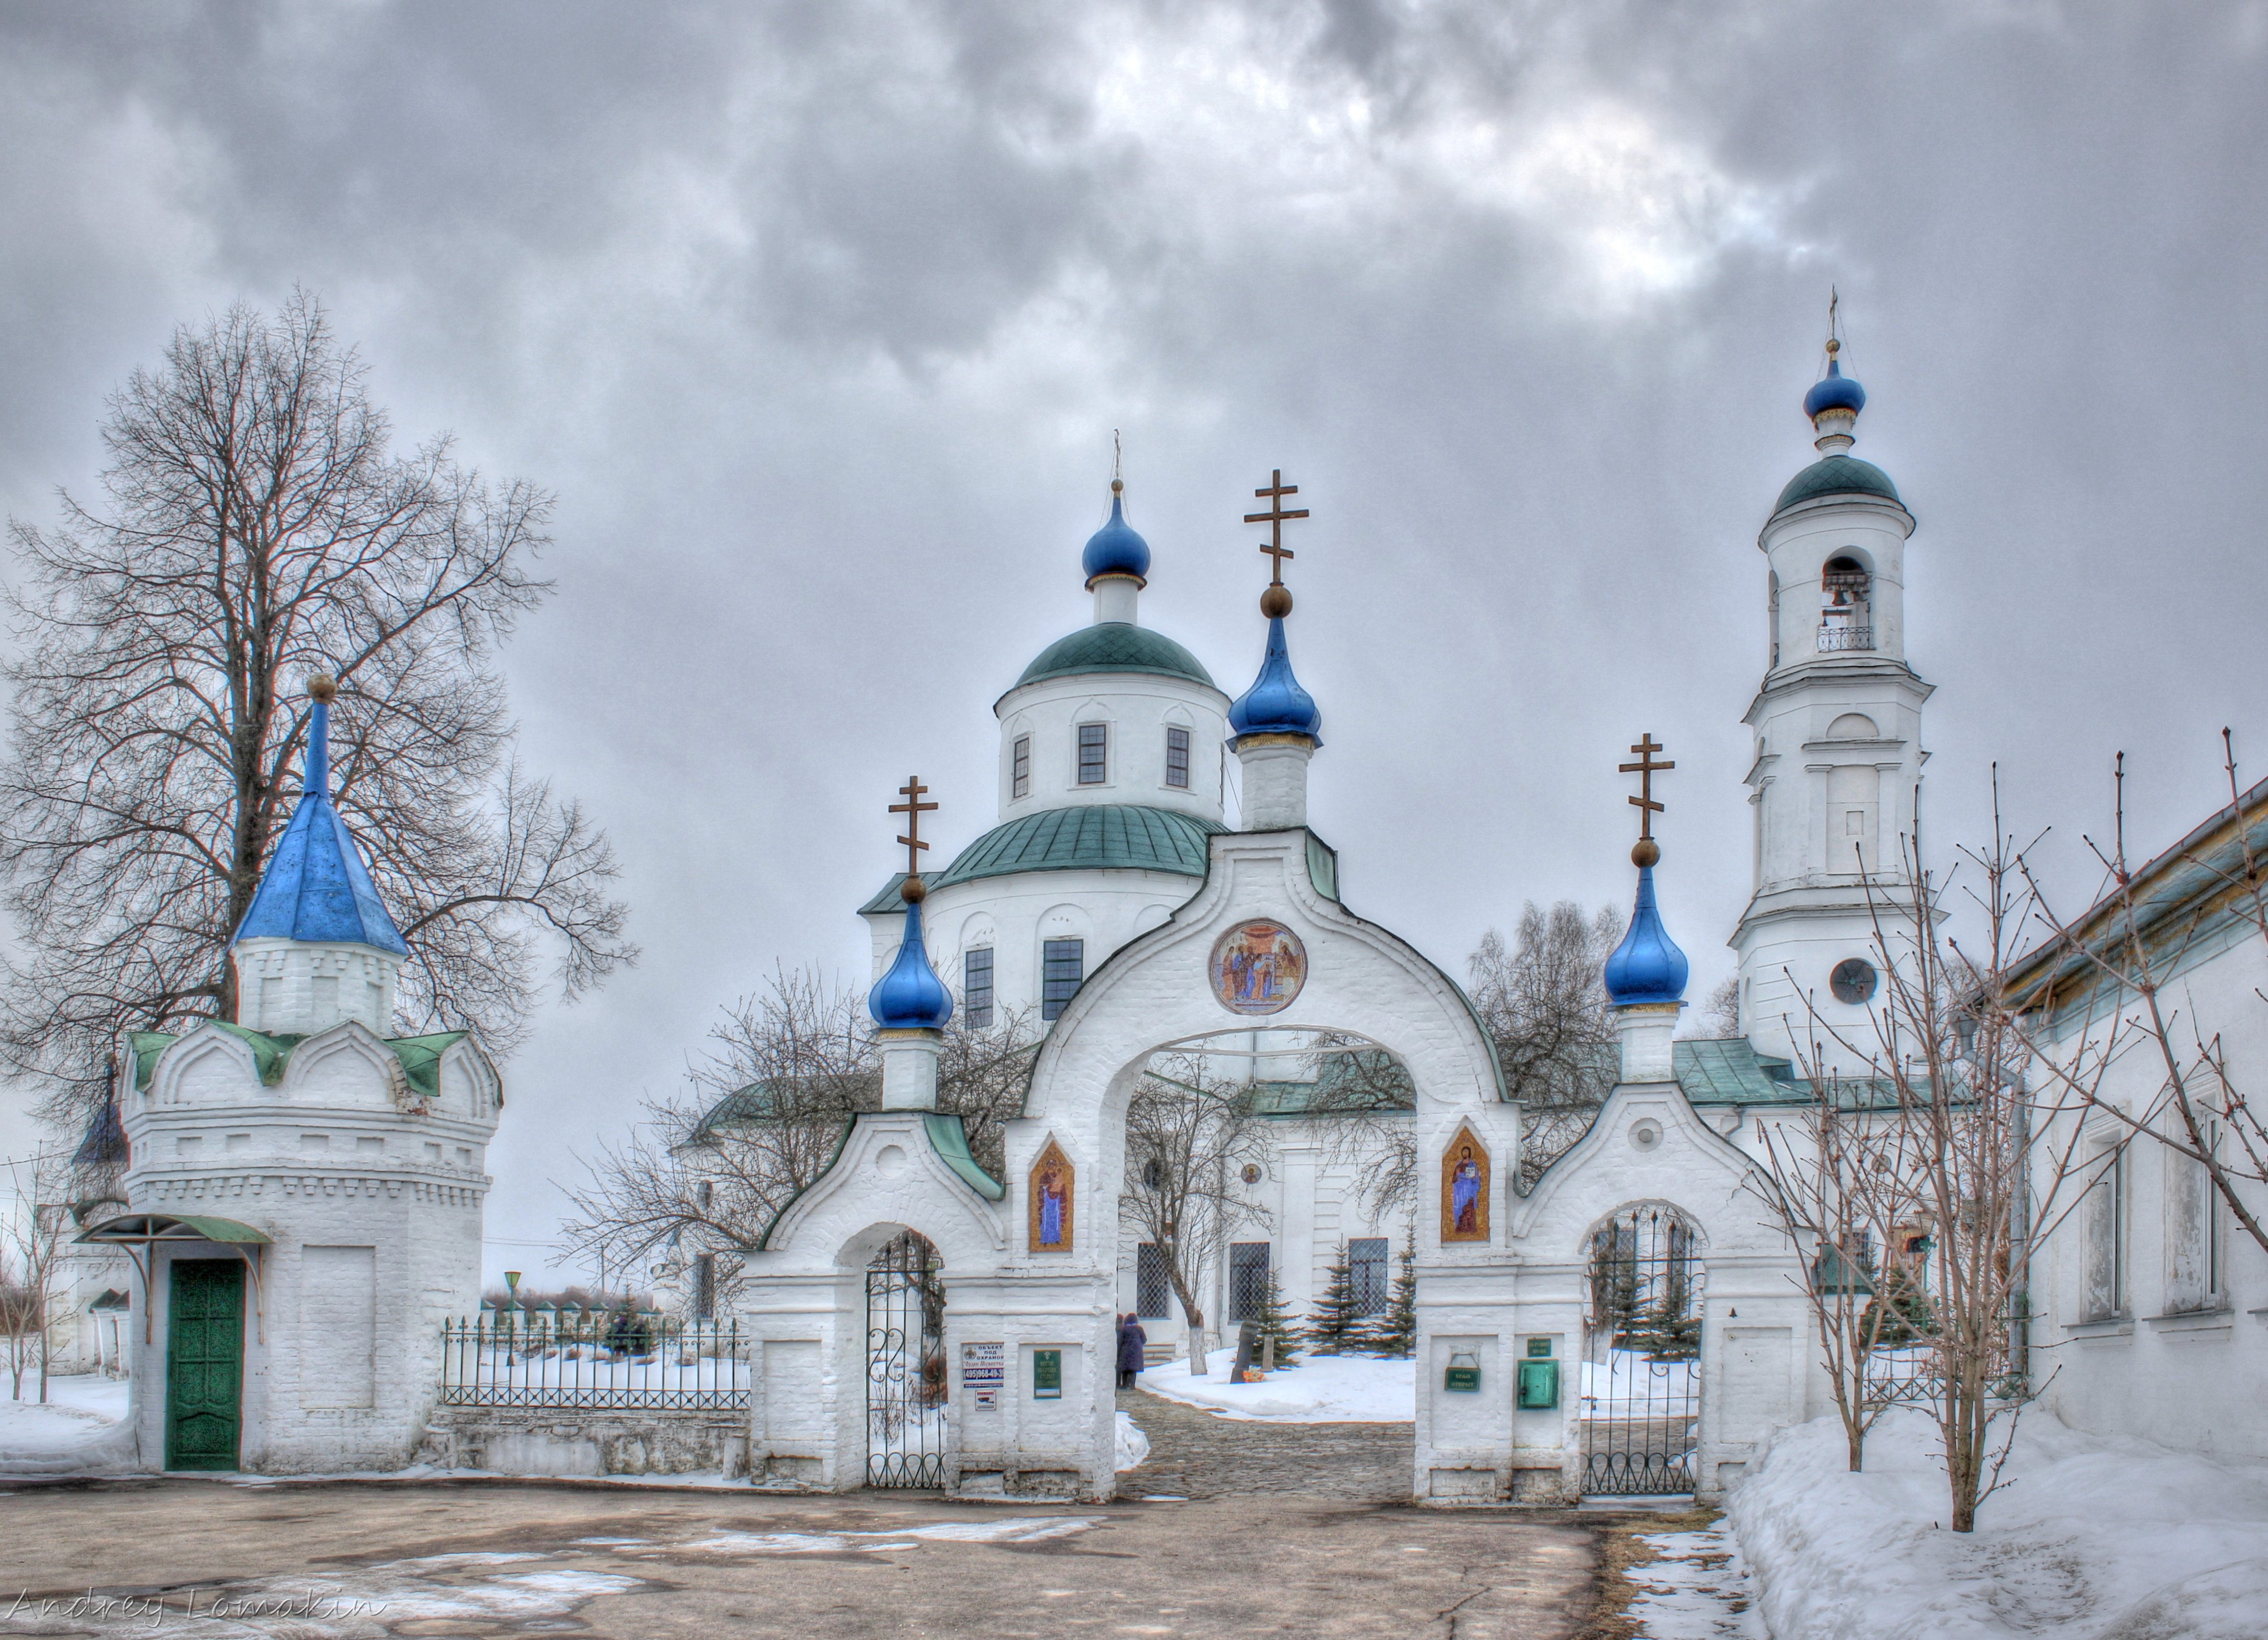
x,y
1645,976
317,945
910,1004
1276,725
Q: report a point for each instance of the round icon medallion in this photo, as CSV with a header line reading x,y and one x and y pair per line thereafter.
x,y
1258,968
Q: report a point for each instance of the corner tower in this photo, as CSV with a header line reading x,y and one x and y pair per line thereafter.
x,y
1837,723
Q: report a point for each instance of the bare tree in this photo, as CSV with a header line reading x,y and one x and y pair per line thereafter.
x,y
258,528
1843,1185
1543,1002
1362,1100
32,1241
1721,1014
1189,1137
762,1116
1947,1049
2125,955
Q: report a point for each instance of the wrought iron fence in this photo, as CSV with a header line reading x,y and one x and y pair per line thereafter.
x,y
908,1400
1834,638
594,1359
1640,1410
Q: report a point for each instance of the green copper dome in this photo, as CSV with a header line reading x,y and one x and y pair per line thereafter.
x,y
1116,647
1108,836
1837,475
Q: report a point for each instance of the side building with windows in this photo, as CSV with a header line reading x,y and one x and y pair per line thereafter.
x,y
2147,1278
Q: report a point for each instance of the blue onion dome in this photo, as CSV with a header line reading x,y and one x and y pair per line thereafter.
x,y
1276,704
1647,966
1115,549
1834,391
910,996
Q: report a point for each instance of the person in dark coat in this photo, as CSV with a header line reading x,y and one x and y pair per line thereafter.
x,y
1131,1341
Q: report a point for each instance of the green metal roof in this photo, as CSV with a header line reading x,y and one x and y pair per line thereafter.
x,y
1115,646
420,1056
950,1140
1122,836
1728,1071
1837,475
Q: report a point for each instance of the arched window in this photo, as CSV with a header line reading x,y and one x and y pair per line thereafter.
x,y
1845,618
1772,623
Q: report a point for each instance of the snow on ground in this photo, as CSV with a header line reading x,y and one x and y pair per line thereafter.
x,y
1699,1589
1133,1445
2099,1539
82,1418
1318,1389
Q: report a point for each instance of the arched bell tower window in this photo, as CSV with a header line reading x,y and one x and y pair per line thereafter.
x,y
1846,619
1772,623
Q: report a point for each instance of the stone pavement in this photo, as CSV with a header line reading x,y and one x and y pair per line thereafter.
x,y
367,1560
1196,1454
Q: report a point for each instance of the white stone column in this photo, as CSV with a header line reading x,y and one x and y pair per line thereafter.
x,y
1646,1030
1275,779
909,1068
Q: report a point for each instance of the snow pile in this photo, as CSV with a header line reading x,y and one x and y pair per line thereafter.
x,y
1133,1445
1320,1389
2098,1539
80,1429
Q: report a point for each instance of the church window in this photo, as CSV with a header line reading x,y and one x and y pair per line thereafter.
x,y
1019,767
1177,758
1063,964
1094,753
2105,1274
1844,622
1772,621
1366,1266
1248,1280
704,1287
271,1001
1151,1287
977,987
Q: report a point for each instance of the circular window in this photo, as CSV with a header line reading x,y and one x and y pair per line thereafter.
x,y
890,1161
1645,1135
1853,980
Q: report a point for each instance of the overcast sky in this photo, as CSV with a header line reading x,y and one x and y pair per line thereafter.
x,y
818,318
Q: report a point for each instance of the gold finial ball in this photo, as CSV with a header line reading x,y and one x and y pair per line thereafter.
x,y
1833,347
1276,602
1118,486
323,687
1645,851
911,890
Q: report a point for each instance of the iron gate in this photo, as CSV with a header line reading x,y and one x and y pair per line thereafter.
x,y
906,1384
1641,1392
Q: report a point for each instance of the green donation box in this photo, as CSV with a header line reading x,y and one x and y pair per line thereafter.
x,y
1539,1376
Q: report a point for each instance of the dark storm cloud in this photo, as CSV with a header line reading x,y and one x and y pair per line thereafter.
x,y
819,319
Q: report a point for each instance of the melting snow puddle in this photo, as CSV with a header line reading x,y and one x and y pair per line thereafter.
x,y
365,1604
1014,1529
1699,1589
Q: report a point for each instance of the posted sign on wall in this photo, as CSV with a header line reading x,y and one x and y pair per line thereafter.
x,y
1046,1375
983,1369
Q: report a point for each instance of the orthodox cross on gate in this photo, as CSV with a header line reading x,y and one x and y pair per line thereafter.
x,y
1645,768
913,808
1274,492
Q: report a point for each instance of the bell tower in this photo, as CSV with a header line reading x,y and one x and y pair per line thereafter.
x,y
1839,755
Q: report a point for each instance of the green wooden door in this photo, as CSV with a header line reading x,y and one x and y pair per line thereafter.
x,y
204,1363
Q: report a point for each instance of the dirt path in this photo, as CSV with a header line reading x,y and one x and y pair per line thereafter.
x,y
1194,1454
363,1561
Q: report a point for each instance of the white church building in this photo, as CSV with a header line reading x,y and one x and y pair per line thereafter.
x,y
303,1204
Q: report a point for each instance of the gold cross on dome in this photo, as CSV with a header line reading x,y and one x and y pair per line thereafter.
x,y
1273,492
1645,768
913,808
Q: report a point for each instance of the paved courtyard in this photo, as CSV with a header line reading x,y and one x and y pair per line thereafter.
x,y
1197,1455
356,1560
